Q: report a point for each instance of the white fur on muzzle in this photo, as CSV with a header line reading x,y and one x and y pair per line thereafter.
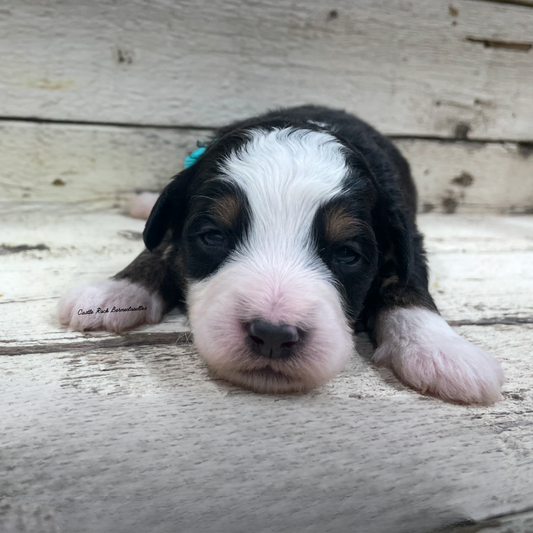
x,y
221,306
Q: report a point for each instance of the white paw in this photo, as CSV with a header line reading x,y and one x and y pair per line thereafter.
x,y
427,355
112,305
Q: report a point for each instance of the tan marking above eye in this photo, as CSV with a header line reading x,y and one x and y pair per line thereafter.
x,y
340,225
226,210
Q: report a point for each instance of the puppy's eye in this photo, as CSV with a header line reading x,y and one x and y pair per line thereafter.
x,y
345,256
213,238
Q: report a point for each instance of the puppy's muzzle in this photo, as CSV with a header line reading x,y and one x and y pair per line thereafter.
x,y
272,341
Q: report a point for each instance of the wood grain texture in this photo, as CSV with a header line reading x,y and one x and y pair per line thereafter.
x,y
479,267
88,163
466,177
183,460
74,163
427,68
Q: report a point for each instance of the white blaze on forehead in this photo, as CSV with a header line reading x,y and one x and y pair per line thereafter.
x,y
286,174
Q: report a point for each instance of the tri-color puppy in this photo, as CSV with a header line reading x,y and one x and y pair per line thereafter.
x,y
292,226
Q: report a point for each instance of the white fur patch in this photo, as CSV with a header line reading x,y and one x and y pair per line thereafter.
x,y
287,175
426,354
141,206
97,297
275,274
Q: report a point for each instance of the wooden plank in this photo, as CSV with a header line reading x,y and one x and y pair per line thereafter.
x,y
164,453
464,177
412,68
479,267
87,163
79,163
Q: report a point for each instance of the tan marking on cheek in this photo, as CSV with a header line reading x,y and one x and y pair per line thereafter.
x,y
226,210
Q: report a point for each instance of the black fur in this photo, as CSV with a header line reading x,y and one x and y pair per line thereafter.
x,y
201,260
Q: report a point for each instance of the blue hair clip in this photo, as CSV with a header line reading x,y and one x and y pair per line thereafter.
x,y
191,159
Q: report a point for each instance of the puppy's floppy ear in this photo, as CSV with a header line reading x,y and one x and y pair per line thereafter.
x,y
170,209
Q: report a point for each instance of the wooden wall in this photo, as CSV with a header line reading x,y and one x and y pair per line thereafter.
x,y
101,98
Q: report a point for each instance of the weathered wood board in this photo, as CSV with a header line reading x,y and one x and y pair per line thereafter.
x,y
466,177
424,68
197,462
44,162
131,433
74,163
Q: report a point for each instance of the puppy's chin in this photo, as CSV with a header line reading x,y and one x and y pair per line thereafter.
x,y
274,377
268,381
220,306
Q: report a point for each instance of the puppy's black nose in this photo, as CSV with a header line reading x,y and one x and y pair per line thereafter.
x,y
272,341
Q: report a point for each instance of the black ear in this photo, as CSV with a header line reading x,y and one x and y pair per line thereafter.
x,y
169,211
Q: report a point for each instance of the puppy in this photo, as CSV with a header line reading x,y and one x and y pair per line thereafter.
x,y
288,229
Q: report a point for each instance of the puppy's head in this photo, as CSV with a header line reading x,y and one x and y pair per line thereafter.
x,y
273,240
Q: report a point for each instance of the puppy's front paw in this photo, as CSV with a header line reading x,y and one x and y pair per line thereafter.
x,y
427,355
112,305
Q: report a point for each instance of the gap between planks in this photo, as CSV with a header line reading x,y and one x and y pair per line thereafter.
x,y
127,340
209,129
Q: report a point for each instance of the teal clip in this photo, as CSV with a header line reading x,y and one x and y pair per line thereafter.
x,y
191,159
